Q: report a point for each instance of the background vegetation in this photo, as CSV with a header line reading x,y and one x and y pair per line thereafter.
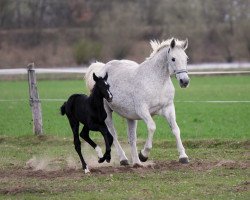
x,y
47,31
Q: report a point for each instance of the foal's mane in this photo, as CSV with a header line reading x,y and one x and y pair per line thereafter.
x,y
157,45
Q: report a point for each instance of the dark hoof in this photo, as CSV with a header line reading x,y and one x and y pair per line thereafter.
x,y
106,157
142,157
101,160
184,160
124,162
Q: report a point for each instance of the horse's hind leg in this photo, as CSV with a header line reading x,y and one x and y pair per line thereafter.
x,y
169,114
111,128
85,135
75,128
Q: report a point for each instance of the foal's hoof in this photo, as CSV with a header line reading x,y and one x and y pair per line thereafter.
x,y
184,160
124,162
101,160
142,157
86,171
106,157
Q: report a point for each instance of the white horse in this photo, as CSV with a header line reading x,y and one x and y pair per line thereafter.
x,y
143,90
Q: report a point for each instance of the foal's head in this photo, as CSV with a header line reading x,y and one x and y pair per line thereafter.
x,y
177,59
103,87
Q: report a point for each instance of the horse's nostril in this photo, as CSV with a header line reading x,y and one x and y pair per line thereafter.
x,y
181,81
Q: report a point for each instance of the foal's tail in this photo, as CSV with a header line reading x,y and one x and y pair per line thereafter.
x,y
63,108
93,68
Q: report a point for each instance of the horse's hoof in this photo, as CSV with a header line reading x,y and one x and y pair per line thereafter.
x,y
137,165
108,160
142,157
124,162
101,160
184,160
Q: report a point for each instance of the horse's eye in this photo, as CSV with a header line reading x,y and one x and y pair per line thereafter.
x,y
173,59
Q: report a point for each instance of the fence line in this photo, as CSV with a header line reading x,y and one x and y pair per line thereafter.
x,y
195,69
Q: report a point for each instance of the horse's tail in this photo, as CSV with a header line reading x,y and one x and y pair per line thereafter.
x,y
93,68
63,108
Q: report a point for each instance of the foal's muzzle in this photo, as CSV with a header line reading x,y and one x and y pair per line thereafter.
x,y
110,97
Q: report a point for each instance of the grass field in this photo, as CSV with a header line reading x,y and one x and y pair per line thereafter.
x,y
216,136
196,120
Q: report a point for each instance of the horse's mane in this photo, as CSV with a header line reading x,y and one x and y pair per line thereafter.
x,y
157,45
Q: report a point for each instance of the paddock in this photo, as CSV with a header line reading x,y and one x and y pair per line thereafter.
x,y
213,114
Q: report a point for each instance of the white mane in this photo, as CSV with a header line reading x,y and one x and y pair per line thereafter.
x,y
157,45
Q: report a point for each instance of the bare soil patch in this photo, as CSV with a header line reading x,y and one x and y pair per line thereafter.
x,y
42,170
152,166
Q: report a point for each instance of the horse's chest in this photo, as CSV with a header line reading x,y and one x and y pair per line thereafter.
x,y
160,99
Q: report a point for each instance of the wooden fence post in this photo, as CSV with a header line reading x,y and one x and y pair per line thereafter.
x,y
34,101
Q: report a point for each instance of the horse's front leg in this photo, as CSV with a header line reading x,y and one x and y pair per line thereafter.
x,y
132,126
145,115
169,113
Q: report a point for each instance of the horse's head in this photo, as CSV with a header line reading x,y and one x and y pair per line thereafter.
x,y
177,60
103,87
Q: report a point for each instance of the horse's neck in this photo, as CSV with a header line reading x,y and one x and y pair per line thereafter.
x,y
156,67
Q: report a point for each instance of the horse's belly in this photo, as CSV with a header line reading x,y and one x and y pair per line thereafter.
x,y
155,109
124,110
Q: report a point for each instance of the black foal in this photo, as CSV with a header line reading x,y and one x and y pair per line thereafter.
x,y
91,113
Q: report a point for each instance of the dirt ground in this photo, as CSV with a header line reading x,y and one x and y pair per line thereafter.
x,y
70,173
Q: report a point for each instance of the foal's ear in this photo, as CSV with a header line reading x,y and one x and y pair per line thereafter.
x,y
172,44
106,76
95,77
185,44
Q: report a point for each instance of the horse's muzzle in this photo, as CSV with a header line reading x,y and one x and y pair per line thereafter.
x,y
184,83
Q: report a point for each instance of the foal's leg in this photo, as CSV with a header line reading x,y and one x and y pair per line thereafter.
x,y
111,128
169,113
132,125
145,115
85,135
108,142
75,128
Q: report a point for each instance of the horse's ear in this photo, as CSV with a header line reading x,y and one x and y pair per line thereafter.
x,y
172,44
95,77
106,76
185,44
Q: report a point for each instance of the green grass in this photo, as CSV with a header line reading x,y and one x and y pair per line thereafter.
x,y
196,120
216,138
218,170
